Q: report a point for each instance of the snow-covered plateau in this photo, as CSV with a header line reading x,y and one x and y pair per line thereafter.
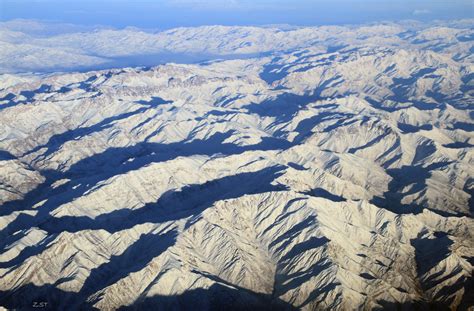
x,y
321,168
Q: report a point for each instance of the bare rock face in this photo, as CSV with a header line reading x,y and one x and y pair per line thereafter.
x,y
335,173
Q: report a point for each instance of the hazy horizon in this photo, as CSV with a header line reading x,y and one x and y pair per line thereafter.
x,y
165,14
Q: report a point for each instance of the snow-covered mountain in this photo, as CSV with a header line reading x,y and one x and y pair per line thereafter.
x,y
34,46
309,168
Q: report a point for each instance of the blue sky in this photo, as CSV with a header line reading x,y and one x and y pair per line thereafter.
x,y
174,13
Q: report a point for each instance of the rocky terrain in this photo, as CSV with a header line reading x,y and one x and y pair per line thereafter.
x,y
308,168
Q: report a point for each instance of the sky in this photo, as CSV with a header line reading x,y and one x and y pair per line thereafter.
x,y
163,14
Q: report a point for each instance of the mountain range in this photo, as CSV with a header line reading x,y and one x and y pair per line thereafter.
x,y
255,168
